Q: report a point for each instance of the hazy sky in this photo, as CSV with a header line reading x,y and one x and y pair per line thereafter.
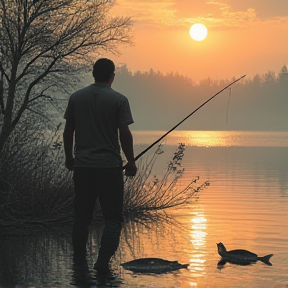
x,y
244,36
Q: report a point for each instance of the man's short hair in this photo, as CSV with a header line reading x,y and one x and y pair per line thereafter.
x,y
103,69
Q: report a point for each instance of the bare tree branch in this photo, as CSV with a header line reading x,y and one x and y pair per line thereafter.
x,y
40,95
41,40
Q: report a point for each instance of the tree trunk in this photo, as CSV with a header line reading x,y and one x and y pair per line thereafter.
x,y
4,135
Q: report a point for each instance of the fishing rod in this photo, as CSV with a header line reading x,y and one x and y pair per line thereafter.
x,y
154,143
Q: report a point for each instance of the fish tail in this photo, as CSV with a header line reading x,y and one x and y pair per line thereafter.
x,y
265,259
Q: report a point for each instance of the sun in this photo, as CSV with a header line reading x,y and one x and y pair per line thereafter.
x,y
198,32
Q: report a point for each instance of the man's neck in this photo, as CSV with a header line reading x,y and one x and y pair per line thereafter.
x,y
103,83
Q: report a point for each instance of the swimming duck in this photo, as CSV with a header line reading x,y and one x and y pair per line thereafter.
x,y
240,256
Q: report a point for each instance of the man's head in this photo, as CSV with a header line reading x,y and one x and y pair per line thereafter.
x,y
103,71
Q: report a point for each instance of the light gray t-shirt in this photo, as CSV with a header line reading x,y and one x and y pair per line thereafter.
x,y
97,111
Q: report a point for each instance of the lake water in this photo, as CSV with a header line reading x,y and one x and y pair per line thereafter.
x,y
245,207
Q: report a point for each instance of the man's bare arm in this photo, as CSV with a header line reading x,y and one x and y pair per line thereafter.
x,y
126,140
68,135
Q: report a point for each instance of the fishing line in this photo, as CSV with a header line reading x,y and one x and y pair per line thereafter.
x,y
228,105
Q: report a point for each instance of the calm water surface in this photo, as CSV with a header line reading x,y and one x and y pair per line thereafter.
x,y
245,207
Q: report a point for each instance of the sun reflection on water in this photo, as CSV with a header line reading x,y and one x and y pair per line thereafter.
x,y
216,138
198,239
204,138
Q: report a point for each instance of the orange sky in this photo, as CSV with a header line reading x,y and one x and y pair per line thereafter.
x,y
244,37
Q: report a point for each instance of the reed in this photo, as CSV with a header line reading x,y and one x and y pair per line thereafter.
x,y
34,186
145,194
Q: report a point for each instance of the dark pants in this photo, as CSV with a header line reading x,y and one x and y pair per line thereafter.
x,y
107,184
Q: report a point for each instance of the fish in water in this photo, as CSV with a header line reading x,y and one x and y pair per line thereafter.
x,y
240,256
152,265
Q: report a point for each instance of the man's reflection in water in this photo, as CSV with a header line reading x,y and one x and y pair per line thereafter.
x,y
81,276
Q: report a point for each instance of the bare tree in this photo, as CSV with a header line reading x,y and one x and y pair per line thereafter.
x,y
42,42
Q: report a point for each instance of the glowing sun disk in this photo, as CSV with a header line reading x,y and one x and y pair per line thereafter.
x,y
198,32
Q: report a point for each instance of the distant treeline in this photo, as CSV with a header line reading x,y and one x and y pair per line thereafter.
x,y
160,101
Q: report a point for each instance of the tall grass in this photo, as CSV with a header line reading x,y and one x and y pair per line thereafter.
x,y
34,186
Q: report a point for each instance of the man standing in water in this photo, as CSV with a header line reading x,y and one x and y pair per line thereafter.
x,y
99,116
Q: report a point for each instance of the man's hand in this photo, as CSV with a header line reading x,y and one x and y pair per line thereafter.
x,y
130,169
69,163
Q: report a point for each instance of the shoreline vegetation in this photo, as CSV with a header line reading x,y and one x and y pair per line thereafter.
x,y
36,190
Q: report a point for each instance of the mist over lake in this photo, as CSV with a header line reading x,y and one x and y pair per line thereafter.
x,y
160,101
